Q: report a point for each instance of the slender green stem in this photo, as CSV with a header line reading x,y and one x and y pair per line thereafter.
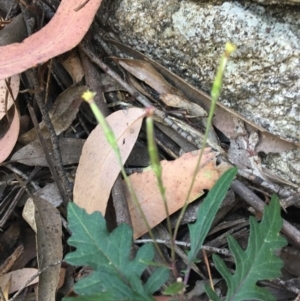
x,y
157,169
88,96
215,93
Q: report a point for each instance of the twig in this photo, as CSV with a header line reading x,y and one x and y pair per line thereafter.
x,y
67,195
138,96
32,278
253,200
48,157
185,244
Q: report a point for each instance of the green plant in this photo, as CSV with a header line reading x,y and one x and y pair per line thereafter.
x,y
257,262
117,277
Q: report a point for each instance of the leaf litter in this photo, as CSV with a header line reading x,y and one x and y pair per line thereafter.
x,y
97,171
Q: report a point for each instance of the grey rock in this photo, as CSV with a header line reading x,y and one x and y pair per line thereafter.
x,y
262,80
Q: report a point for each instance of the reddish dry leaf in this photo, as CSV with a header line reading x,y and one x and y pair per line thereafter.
x,y
18,279
98,167
65,30
6,99
8,138
177,176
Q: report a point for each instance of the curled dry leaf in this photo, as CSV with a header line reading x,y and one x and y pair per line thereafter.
x,y
170,95
62,114
65,30
176,178
18,279
6,99
98,166
9,133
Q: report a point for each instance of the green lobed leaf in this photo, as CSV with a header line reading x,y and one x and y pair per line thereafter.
x,y
156,280
207,212
258,261
115,276
174,288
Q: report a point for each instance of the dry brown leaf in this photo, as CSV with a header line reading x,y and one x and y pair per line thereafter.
x,y
223,120
72,64
144,71
5,291
177,176
28,214
65,30
18,279
47,223
10,261
9,248
50,193
9,133
291,259
192,109
6,99
98,167
62,114
29,253
33,154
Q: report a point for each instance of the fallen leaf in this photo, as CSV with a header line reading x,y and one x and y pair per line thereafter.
x,y
10,261
170,95
72,64
64,31
9,133
176,176
6,99
9,246
5,291
291,259
50,193
62,114
145,72
29,253
98,167
33,154
18,279
192,109
47,223
223,120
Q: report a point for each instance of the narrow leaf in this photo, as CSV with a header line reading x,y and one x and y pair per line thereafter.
x,y
207,212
